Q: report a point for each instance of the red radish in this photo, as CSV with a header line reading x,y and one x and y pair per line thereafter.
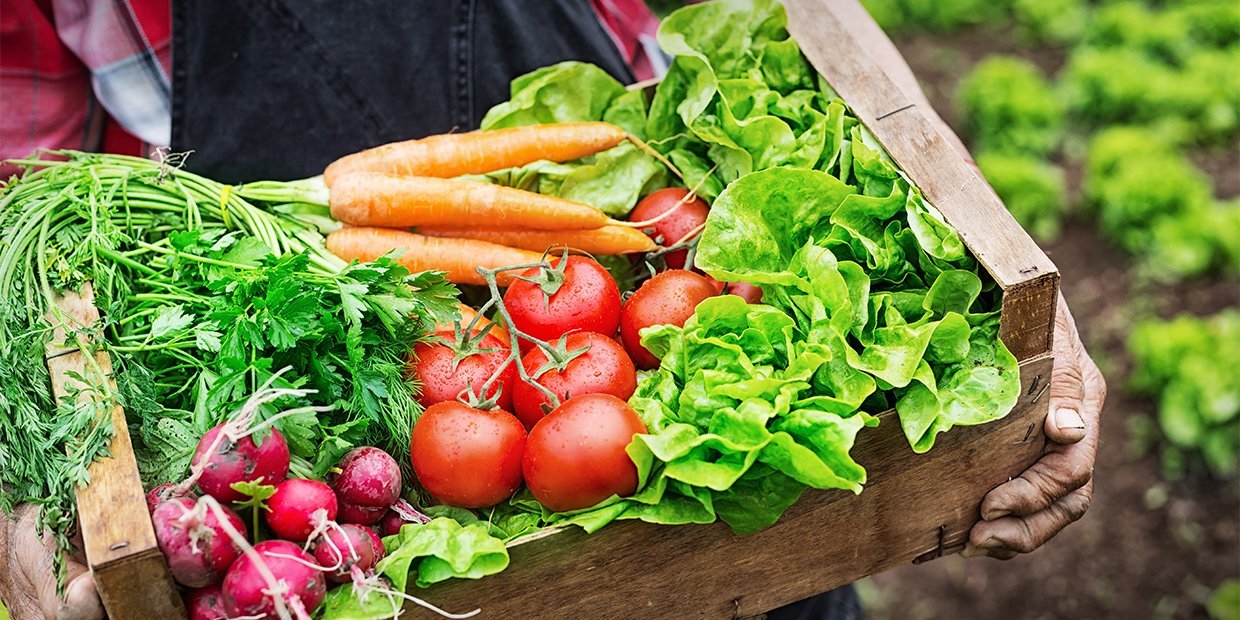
x,y
400,514
198,550
744,290
163,492
248,593
206,604
361,515
239,461
368,478
298,507
669,298
377,544
672,229
343,548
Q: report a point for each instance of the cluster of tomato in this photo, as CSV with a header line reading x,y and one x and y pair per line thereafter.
x,y
569,450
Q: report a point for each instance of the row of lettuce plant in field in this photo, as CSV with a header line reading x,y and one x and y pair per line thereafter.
x,y
1142,87
1165,70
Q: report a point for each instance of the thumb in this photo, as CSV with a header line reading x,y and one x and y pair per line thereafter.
x,y
81,600
1064,423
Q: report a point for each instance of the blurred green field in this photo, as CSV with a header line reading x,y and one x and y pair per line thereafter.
x,y
1111,129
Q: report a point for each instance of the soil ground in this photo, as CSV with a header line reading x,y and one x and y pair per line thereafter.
x,y
1149,547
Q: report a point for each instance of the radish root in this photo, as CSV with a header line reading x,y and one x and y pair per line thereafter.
x,y
241,424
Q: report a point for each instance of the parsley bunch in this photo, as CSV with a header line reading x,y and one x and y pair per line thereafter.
x,y
205,294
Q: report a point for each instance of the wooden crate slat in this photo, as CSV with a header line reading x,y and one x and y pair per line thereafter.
x,y
130,573
915,507
834,35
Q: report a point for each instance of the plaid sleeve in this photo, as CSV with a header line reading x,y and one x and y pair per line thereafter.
x,y
45,89
126,46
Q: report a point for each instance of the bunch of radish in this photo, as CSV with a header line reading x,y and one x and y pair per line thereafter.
x,y
321,529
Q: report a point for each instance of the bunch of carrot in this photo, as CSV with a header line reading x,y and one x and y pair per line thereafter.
x,y
461,224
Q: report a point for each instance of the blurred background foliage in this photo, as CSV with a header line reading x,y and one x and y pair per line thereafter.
x,y
1111,129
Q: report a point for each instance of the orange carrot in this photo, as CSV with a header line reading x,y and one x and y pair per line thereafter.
x,y
605,240
374,199
457,257
451,155
467,315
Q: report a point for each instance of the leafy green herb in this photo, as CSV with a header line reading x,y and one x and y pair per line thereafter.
x,y
257,493
204,295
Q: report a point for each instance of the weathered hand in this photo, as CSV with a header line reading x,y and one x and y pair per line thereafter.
x,y
27,581
1022,514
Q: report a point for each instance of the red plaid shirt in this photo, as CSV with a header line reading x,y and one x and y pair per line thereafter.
x,y
93,74
84,74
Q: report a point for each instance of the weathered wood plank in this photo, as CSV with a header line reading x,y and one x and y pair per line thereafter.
x,y
914,508
833,34
130,572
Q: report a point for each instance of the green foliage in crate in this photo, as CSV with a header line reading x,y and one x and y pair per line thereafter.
x,y
1190,363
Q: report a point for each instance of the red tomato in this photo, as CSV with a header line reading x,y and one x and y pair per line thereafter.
x,y
467,457
603,369
467,315
717,285
575,456
666,299
435,367
749,292
587,299
673,228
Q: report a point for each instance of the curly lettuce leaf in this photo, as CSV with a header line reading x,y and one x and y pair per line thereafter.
x,y
442,549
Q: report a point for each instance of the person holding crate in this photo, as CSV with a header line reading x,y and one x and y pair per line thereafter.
x,y
163,81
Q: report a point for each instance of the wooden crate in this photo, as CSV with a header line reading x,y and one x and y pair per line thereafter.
x,y
119,540
914,507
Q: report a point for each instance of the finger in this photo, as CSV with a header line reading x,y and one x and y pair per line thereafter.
x,y
81,600
35,560
36,563
1054,476
1005,538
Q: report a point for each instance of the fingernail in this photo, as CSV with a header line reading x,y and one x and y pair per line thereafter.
x,y
972,551
1067,418
995,514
